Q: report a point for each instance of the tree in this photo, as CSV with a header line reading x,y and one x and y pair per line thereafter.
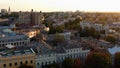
x,y
54,30
68,63
58,38
96,35
110,38
25,66
14,14
92,31
102,31
53,65
73,25
117,60
98,60
77,63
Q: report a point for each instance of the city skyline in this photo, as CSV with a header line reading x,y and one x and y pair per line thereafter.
x,y
66,5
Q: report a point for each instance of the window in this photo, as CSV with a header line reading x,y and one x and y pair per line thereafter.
x,y
31,61
45,62
26,62
21,63
49,62
4,65
15,63
42,63
3,45
10,64
37,64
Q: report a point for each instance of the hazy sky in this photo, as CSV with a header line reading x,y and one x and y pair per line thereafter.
x,y
61,5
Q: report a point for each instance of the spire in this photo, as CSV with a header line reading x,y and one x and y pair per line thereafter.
x,y
9,10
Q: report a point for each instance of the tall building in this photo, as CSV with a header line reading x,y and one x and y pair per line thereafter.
x,y
37,17
34,18
24,17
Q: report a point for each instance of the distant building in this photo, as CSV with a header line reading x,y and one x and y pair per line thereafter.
x,y
33,18
24,18
96,26
3,11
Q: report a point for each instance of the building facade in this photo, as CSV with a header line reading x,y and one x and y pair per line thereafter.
x,y
96,26
15,59
13,39
32,18
59,56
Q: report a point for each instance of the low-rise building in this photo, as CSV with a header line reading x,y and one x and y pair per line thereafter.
x,y
45,55
8,37
96,26
16,58
58,54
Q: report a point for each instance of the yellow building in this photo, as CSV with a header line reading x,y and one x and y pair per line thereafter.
x,y
17,58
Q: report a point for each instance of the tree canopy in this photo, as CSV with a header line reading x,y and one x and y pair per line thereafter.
x,y
58,38
68,63
117,60
89,32
110,38
98,60
57,29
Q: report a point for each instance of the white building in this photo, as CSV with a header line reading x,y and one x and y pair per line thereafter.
x,y
45,55
96,26
72,52
8,37
113,51
48,56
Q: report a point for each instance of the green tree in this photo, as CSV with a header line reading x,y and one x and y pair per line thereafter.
x,y
14,14
117,60
96,35
110,38
102,31
58,29
86,31
68,63
92,31
98,60
53,65
58,38
73,25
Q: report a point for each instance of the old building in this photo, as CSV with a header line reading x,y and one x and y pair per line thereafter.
x,y
16,58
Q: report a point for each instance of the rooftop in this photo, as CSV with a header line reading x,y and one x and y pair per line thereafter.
x,y
10,53
114,50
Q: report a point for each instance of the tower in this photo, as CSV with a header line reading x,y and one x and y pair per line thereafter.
x,y
9,11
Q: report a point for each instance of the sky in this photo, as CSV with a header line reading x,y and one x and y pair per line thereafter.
x,y
62,5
